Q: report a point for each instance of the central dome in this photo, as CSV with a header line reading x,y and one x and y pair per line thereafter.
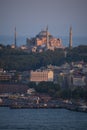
x,y
43,34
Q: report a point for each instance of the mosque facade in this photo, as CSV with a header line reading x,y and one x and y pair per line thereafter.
x,y
44,41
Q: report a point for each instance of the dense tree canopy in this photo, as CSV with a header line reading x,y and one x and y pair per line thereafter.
x,y
20,60
55,91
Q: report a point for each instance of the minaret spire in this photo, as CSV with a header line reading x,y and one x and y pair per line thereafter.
x,y
15,42
70,38
47,37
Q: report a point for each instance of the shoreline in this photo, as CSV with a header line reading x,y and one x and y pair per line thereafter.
x,y
38,106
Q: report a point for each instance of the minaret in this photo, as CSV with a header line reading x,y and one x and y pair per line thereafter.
x,y
15,38
70,38
47,38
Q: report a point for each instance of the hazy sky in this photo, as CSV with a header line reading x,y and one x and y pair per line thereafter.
x,y
31,16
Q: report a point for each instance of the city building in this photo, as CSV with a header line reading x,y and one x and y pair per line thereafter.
x,y
41,75
1,70
5,77
84,69
23,47
13,46
13,88
79,81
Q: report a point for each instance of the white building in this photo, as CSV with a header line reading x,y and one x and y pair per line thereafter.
x,y
39,76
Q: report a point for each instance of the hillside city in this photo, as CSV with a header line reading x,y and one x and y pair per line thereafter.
x,y
44,85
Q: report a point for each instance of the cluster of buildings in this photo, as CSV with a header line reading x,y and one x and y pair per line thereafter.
x,y
70,75
67,75
73,74
15,93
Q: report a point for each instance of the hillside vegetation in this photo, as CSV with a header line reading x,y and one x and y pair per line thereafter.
x,y
17,59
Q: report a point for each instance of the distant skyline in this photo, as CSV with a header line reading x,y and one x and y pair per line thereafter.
x,y
31,16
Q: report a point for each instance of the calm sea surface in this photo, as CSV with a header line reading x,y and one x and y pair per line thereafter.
x,y
22,40
42,119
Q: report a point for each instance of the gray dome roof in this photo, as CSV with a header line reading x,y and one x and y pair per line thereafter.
x,y
43,34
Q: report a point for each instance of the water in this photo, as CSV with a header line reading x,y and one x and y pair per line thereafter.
x,y
76,41
8,40
22,40
42,119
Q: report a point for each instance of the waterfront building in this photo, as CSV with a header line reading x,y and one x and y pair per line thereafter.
x,y
13,46
31,91
1,70
13,88
23,47
41,75
5,77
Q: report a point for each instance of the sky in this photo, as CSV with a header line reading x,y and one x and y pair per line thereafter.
x,y
31,16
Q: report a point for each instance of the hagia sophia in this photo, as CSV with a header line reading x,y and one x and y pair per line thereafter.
x,y
44,41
